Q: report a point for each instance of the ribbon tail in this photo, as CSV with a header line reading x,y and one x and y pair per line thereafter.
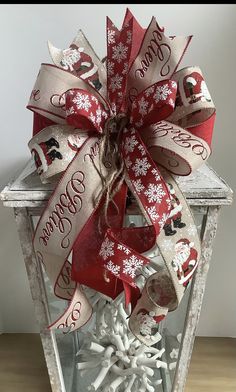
x,y
166,209
86,267
179,245
76,315
68,210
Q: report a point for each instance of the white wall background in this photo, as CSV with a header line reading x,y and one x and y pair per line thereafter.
x,y
24,30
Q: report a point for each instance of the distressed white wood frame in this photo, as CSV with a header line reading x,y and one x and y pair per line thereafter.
x,y
205,191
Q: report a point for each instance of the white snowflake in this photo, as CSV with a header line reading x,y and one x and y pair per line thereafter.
x,y
70,111
129,37
142,149
106,249
142,106
139,187
141,167
163,219
173,84
111,36
116,82
155,193
149,91
115,269
162,93
130,143
110,68
119,52
191,229
125,250
167,244
82,101
153,213
98,116
113,106
156,174
94,99
125,68
128,162
131,265
92,118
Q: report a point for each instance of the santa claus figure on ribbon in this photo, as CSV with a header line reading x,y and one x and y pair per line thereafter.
x,y
175,215
185,260
191,89
148,321
75,60
45,153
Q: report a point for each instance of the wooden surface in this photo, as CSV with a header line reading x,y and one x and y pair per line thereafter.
x,y
213,366
22,366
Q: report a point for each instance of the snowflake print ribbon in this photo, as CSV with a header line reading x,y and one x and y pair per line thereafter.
x,y
124,125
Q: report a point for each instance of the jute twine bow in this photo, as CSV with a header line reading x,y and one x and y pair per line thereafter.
x,y
110,157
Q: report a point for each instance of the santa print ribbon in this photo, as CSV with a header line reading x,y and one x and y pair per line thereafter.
x,y
154,121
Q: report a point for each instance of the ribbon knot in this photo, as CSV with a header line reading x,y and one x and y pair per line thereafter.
x,y
116,124
111,141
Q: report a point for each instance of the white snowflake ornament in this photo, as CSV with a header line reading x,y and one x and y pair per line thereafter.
x,y
82,101
155,193
107,249
141,167
131,265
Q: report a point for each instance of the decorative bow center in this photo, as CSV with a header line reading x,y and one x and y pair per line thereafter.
x,y
116,124
111,140
111,157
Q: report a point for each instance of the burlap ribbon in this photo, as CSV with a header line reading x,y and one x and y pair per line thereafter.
x,y
169,118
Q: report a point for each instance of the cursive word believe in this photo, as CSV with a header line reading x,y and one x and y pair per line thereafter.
x,y
156,49
70,202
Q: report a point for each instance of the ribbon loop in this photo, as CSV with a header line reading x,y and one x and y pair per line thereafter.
x,y
175,148
78,104
153,104
157,59
193,104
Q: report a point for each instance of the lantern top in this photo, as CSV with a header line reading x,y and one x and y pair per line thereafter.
x,y
203,187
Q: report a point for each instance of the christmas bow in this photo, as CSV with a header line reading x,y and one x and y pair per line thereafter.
x,y
122,130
